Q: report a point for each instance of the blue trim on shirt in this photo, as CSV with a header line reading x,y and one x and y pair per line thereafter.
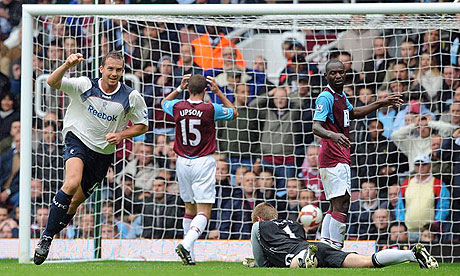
x,y
168,106
222,113
324,104
121,96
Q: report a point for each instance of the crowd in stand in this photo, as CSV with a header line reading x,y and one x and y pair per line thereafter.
x,y
406,166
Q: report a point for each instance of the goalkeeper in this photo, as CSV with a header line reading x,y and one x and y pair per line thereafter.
x,y
95,122
282,243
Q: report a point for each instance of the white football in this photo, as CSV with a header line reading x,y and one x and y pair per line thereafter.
x,y
310,216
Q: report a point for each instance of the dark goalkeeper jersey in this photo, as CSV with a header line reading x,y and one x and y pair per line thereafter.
x,y
281,240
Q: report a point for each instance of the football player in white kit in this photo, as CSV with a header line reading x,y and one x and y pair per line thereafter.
x,y
94,123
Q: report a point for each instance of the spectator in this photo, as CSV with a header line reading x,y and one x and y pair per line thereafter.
x,y
10,16
208,49
8,113
161,217
415,139
239,139
392,202
379,229
361,211
433,46
379,157
126,202
398,234
8,226
358,42
187,64
162,86
386,115
222,207
450,149
303,95
48,155
310,172
140,168
281,124
352,75
238,175
231,74
259,64
9,174
423,199
7,142
427,236
7,230
41,217
409,56
237,220
85,228
108,231
358,127
297,66
453,115
375,68
36,193
428,76
416,103
54,55
288,206
439,169
451,81
266,191
307,197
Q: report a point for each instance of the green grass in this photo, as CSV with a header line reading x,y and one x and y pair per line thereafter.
x,y
114,268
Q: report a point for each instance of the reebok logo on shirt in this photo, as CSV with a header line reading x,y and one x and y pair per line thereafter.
x,y
101,115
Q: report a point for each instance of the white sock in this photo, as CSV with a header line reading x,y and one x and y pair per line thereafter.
x,y
325,235
337,229
197,227
392,256
186,225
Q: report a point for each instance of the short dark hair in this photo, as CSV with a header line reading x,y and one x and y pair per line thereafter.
x,y
114,55
161,178
3,206
397,224
197,84
50,123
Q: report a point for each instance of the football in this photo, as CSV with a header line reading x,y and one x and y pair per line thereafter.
x,y
310,216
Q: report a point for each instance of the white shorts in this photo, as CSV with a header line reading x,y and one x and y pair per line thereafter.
x,y
197,179
336,180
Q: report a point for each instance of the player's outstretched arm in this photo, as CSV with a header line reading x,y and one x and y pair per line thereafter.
x,y
359,112
339,138
183,84
216,90
135,130
54,80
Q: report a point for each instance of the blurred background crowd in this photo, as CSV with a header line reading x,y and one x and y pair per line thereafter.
x,y
405,161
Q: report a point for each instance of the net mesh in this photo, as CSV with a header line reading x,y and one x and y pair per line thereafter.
x,y
415,55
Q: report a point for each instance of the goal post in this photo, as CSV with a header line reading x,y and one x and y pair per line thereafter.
x,y
258,17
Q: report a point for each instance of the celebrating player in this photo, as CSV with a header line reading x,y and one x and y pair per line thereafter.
x,y
282,243
331,122
195,143
95,122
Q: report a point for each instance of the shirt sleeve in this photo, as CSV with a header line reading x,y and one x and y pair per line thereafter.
x,y
349,105
322,110
75,86
138,112
168,106
222,113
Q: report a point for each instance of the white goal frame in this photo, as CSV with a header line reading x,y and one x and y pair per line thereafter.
x,y
28,11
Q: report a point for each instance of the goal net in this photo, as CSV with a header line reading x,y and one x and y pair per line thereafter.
x,y
272,68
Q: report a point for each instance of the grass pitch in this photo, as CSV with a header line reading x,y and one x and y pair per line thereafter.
x,y
115,268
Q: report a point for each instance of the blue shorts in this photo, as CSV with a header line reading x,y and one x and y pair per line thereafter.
x,y
95,164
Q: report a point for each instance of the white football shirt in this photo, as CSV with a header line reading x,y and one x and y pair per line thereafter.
x,y
92,113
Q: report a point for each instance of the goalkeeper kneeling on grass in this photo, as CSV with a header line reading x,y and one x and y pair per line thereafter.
x,y
282,243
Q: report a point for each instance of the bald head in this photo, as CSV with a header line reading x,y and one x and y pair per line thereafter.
x,y
333,65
